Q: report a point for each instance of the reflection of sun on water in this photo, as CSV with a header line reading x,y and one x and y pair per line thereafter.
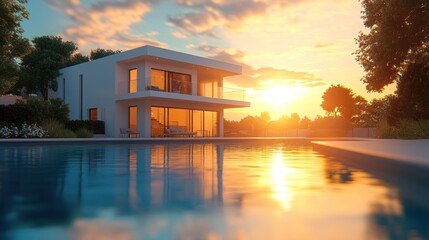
x,y
280,173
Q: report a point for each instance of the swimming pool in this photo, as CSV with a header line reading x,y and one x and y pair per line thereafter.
x,y
201,191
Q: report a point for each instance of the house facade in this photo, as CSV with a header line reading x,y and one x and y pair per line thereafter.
x,y
153,91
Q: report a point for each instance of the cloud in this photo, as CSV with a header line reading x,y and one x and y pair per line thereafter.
x,y
258,77
207,16
107,24
324,45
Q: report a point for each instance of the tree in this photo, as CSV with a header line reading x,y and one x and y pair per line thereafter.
x,y
99,53
378,110
341,101
39,69
77,59
265,116
12,44
294,120
305,123
399,32
413,89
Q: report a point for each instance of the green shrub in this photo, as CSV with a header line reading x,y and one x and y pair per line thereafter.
x,y
56,129
385,130
97,127
84,133
34,111
405,129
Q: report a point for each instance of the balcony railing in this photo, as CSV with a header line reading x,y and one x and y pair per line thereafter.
x,y
225,93
232,93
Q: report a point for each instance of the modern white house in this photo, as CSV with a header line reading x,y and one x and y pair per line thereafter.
x,y
153,91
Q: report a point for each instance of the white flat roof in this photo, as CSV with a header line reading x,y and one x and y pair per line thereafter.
x,y
152,52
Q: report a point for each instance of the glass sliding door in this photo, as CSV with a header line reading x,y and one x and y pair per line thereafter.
x,y
210,123
199,122
179,118
132,119
157,121
209,88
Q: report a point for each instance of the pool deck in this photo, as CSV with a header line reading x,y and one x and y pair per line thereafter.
x,y
415,152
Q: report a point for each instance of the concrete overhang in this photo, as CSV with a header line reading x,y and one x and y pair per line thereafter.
x,y
177,58
182,98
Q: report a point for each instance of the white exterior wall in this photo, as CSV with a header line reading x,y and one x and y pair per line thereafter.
x,y
106,86
98,90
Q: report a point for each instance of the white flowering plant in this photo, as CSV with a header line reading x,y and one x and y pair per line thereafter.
x,y
24,131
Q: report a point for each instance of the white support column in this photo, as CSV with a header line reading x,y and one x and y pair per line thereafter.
x,y
220,123
144,115
194,81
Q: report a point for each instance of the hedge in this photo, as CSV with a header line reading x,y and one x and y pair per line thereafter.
x,y
97,127
34,111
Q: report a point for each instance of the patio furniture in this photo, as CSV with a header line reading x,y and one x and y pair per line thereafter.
x,y
127,132
177,131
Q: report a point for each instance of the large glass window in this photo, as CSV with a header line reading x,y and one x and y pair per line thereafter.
x,y
181,83
132,119
210,123
209,88
170,82
179,119
157,121
157,80
197,123
192,122
133,80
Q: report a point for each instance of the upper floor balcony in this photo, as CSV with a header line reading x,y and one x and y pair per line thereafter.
x,y
184,90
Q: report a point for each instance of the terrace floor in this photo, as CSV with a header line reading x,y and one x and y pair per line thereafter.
x,y
414,152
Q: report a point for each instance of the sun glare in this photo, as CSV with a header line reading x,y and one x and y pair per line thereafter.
x,y
279,96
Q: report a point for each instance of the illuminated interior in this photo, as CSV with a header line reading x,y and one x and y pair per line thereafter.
x,y
132,119
93,114
133,80
202,123
170,82
209,88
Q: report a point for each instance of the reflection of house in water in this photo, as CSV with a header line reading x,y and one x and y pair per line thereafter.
x,y
146,177
61,184
175,176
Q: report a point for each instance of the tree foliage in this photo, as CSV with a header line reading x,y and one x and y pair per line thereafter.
x,y
99,53
399,33
34,111
12,44
40,67
413,90
341,101
376,111
78,58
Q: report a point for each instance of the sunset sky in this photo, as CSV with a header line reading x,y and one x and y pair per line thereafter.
x,y
291,51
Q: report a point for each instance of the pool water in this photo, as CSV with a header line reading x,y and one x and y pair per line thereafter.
x,y
201,191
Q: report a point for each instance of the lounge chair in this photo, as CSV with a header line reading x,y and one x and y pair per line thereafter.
x,y
127,132
176,131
